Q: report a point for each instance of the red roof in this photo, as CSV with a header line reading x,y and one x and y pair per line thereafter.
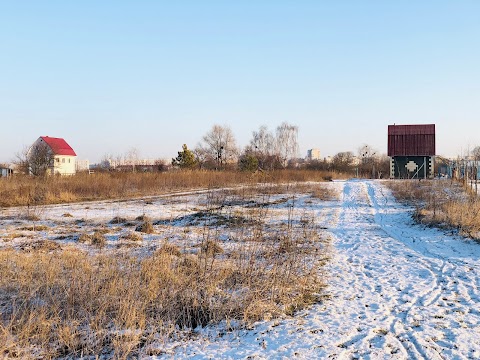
x,y
59,146
411,140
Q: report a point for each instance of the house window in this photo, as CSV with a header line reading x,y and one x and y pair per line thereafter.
x,y
63,160
69,161
57,160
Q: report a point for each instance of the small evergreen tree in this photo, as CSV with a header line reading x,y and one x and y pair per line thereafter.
x,y
185,159
248,162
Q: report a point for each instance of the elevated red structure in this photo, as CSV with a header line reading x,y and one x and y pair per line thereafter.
x,y
412,151
411,140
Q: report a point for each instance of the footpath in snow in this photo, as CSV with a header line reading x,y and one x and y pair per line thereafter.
x,y
397,291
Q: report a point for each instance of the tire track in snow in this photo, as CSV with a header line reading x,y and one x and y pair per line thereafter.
x,y
355,201
362,202
426,298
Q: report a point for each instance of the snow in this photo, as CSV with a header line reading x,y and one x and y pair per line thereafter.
x,y
397,291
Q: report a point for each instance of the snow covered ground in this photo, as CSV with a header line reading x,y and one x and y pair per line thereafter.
x,y
397,291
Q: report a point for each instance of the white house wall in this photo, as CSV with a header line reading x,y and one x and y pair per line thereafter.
x,y
64,165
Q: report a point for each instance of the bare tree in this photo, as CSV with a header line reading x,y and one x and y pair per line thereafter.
x,y
218,145
161,165
476,153
262,147
262,141
286,142
36,160
131,157
343,161
366,152
202,155
368,158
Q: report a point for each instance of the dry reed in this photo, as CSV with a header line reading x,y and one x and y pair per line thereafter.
x,y
25,191
442,204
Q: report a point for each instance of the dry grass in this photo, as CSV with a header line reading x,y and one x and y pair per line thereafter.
x,y
146,226
97,239
132,236
35,228
63,302
71,303
441,203
24,191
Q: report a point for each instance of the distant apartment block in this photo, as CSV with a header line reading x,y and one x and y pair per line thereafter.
x,y
118,163
82,165
313,154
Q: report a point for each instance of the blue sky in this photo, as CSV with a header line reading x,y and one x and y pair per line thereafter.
x,y
109,76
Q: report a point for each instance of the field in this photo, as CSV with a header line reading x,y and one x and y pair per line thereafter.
x,y
338,269
120,278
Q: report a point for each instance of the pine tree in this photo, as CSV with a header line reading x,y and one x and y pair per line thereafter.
x,y
185,159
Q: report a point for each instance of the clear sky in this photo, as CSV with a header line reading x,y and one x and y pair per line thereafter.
x,y
109,76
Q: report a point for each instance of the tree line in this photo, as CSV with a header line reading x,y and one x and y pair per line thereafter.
x,y
267,150
218,150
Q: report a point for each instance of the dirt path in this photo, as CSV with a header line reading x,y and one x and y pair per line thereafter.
x,y
417,290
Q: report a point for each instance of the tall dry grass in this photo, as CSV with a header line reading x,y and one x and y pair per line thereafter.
x,y
58,302
443,204
24,190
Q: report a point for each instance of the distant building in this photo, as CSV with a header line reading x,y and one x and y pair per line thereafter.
x,y
6,170
125,163
82,165
412,151
313,154
64,158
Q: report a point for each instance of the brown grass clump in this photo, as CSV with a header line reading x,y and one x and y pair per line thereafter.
x,y
97,239
442,204
34,228
40,245
132,236
12,236
211,248
145,227
32,217
118,220
85,238
169,249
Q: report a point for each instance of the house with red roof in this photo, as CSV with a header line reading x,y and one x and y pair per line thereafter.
x,y
62,159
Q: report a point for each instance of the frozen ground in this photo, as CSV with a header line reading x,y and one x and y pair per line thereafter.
x,y
397,291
